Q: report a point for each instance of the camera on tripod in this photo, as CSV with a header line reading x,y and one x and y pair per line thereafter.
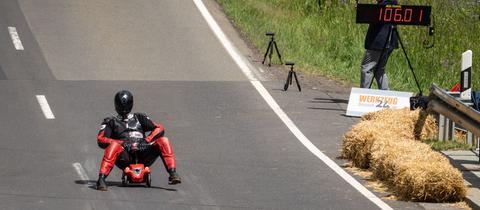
x,y
272,45
291,75
418,102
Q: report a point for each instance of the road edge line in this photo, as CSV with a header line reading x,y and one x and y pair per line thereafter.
x,y
232,51
42,101
280,113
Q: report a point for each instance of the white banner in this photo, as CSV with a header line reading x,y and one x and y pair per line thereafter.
x,y
364,100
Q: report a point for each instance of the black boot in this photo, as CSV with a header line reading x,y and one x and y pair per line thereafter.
x,y
174,178
101,185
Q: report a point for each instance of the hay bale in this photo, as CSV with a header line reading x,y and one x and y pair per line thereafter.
x,y
403,121
388,123
430,182
384,141
416,172
357,142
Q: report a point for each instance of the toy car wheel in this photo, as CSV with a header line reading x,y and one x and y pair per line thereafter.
x,y
148,180
124,179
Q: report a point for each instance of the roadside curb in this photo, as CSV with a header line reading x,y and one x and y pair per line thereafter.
x,y
467,162
473,198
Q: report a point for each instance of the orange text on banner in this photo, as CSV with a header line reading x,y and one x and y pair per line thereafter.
x,y
364,99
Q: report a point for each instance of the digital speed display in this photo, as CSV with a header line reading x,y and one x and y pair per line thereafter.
x,y
393,14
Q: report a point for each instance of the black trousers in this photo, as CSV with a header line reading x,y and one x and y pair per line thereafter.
x,y
147,157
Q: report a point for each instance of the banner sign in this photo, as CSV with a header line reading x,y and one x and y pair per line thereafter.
x,y
364,100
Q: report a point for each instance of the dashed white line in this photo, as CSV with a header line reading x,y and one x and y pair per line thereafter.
x,y
42,100
15,38
81,172
281,114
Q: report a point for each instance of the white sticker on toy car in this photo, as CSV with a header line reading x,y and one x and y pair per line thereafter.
x,y
135,134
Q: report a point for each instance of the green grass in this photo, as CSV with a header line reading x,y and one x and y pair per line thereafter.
x,y
448,145
325,39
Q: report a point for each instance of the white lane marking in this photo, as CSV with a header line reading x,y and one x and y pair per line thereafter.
x,y
15,38
281,114
42,100
313,149
81,172
232,51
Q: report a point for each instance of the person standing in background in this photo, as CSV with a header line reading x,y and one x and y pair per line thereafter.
x,y
374,61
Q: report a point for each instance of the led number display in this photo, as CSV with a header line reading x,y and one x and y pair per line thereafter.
x,y
393,14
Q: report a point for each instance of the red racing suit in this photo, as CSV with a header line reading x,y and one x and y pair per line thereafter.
x,y
115,131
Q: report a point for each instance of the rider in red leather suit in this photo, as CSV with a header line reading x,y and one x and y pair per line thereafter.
x,y
116,131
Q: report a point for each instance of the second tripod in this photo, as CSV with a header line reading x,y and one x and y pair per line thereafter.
x,y
272,44
291,74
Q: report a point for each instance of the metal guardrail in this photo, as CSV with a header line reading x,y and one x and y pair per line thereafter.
x,y
441,102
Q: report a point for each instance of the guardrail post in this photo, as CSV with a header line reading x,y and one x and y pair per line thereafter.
x,y
450,134
470,138
466,76
446,129
478,145
441,127
454,127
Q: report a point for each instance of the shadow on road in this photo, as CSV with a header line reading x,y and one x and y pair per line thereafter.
x,y
91,185
327,109
468,173
329,100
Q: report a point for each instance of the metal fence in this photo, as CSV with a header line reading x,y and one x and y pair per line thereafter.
x,y
454,114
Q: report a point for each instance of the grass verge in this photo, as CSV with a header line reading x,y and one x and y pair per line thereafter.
x,y
447,145
324,39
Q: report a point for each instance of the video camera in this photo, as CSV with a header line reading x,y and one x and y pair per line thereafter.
x,y
269,34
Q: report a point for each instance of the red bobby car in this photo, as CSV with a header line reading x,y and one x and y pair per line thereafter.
x,y
136,172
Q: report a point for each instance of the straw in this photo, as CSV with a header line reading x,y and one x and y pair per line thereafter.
x,y
385,143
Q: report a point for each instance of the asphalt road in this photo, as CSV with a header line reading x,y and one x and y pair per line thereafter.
x,y
233,152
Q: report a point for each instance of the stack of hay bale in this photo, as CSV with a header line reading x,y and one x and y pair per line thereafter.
x,y
385,142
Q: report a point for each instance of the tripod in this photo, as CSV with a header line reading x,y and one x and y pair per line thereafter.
x,y
391,30
272,44
290,79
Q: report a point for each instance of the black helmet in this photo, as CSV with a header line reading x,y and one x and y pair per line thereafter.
x,y
123,102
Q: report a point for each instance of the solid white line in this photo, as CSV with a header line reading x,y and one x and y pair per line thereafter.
x,y
42,100
15,38
232,51
313,149
81,172
281,114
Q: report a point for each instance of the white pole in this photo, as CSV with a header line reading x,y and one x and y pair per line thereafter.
x,y
466,76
